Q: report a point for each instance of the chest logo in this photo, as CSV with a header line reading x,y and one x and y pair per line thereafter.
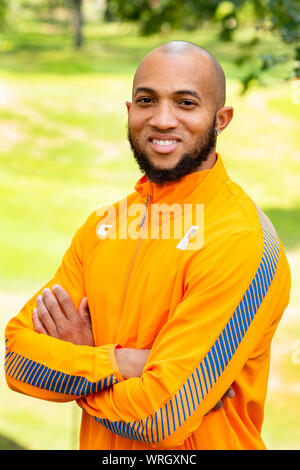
x,y
182,245
103,229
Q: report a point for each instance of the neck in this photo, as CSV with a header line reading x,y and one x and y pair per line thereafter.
x,y
209,162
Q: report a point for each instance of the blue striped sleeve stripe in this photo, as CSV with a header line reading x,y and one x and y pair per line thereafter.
x,y
41,376
185,401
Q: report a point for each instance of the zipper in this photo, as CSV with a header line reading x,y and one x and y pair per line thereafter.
x,y
131,267
146,211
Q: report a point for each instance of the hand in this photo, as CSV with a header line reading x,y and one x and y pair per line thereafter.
x,y
56,316
229,394
131,362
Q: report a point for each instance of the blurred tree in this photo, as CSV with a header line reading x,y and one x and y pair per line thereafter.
x,y
78,20
160,15
77,7
3,8
281,17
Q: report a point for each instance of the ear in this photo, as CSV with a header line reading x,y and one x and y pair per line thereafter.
x,y
128,105
224,116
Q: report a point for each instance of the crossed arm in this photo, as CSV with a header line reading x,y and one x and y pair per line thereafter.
x,y
56,316
168,393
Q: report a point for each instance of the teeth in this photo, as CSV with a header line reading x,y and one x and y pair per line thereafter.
x,y
164,142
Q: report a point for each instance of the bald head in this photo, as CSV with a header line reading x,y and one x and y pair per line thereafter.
x,y
177,111
203,60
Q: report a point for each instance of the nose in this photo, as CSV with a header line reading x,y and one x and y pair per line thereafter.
x,y
163,117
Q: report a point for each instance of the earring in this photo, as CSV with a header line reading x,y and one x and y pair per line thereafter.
x,y
218,131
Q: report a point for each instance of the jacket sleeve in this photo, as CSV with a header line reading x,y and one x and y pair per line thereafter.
x,y
226,312
49,368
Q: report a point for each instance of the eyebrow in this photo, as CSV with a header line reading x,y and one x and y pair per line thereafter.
x,y
145,89
179,92
188,92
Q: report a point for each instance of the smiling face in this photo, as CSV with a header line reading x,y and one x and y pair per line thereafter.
x,y
172,116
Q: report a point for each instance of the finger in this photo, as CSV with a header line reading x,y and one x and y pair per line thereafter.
x,y
65,301
53,308
45,318
37,325
230,393
218,405
83,310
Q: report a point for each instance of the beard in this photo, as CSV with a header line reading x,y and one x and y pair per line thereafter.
x,y
188,163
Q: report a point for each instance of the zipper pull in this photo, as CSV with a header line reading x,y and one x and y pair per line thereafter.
x,y
146,210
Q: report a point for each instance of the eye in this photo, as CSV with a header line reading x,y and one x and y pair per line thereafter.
x,y
187,103
144,100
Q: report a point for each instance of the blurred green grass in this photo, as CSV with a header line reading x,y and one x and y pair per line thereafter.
x,y
64,152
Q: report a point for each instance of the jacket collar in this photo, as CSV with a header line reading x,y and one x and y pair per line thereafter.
x,y
200,185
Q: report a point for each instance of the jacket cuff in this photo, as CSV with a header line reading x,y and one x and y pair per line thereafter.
x,y
113,362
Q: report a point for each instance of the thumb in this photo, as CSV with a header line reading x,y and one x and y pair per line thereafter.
x,y
83,310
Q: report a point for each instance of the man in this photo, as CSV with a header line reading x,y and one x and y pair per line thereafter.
x,y
145,328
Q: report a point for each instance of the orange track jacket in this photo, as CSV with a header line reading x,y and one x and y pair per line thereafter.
x,y
207,302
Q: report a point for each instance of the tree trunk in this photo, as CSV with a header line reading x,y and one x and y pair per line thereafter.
x,y
78,23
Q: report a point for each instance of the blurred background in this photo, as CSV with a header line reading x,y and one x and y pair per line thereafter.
x,y
66,68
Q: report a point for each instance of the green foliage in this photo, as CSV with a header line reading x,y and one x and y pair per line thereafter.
x,y
3,9
278,17
281,17
226,15
285,20
284,16
162,15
